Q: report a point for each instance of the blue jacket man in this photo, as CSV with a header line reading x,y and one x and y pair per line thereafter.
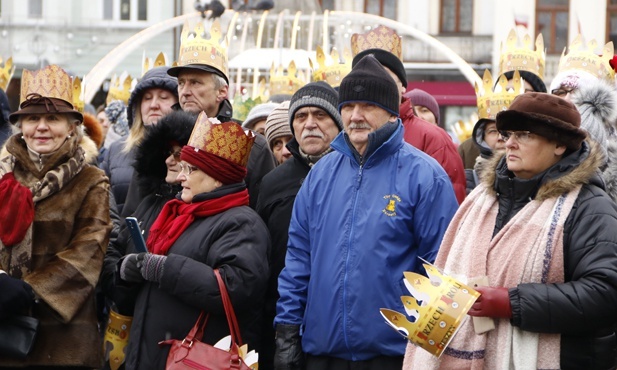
x,y
363,216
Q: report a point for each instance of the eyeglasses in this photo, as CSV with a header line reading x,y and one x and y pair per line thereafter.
x,y
521,137
561,92
176,154
187,168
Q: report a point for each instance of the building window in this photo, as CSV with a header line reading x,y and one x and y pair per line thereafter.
x,y
125,10
142,10
108,9
383,8
35,8
552,23
611,21
456,16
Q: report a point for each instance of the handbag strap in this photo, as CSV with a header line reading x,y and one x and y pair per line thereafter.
x,y
234,329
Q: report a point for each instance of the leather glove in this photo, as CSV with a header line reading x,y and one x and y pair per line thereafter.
x,y
17,296
130,267
493,302
288,353
152,267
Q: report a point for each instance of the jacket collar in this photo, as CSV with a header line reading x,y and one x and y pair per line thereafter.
x,y
382,143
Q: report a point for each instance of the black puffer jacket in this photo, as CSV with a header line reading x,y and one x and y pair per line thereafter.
x,y
582,309
234,241
5,124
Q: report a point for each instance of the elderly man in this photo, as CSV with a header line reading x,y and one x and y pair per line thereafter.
x,y
314,121
203,86
365,213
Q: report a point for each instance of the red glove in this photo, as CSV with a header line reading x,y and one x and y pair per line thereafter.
x,y
493,302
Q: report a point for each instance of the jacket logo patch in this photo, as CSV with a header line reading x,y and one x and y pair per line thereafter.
x,y
390,209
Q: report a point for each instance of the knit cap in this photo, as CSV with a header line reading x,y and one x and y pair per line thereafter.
x,y
386,59
277,124
368,82
424,99
316,94
257,113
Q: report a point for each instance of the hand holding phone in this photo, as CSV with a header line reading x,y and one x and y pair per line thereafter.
x,y
136,234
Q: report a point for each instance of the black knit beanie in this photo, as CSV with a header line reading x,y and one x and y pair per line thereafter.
x,y
387,59
369,82
534,80
316,94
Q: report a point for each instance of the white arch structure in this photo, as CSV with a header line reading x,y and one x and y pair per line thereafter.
x,y
109,62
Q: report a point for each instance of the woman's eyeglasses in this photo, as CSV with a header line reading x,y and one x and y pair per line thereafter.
x,y
562,92
175,153
187,168
521,137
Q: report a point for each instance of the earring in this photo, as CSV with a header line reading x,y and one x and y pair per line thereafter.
x,y
68,137
22,137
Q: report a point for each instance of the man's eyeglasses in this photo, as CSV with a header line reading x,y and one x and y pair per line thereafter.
x,y
521,137
561,92
187,168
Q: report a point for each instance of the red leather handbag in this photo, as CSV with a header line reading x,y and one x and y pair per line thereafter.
x,y
191,353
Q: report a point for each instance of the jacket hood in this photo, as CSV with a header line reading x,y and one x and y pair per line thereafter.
x,y
609,173
580,167
156,77
151,153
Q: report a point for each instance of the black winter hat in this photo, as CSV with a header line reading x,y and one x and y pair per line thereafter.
x,y
387,59
316,94
370,83
534,80
156,77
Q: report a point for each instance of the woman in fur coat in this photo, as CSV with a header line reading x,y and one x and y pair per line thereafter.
x,y
543,232
54,223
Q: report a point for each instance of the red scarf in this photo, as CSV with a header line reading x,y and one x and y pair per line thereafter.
x,y
16,212
176,216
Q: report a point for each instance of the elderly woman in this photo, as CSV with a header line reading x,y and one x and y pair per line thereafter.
x,y
151,99
542,234
209,227
54,222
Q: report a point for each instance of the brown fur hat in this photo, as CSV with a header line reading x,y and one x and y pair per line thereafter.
x,y
92,128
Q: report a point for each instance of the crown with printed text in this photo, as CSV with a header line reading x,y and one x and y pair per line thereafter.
x,y
519,54
491,100
332,71
583,57
434,310
380,37
198,48
286,83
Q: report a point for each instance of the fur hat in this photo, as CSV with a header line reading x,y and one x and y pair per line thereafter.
x,y
386,59
424,99
596,101
369,82
316,94
93,129
573,78
277,124
258,113
546,115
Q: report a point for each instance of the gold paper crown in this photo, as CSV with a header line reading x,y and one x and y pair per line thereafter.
x,y
490,102
242,107
334,72
120,88
78,95
585,59
51,81
464,129
196,49
514,57
6,73
227,140
381,37
436,308
288,84
147,63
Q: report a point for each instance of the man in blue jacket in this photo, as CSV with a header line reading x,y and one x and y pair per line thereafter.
x,y
364,215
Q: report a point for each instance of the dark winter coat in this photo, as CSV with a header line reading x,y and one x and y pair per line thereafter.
x,y
236,242
70,234
5,124
582,309
118,167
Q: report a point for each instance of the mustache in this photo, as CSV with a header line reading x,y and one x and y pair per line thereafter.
x,y
313,133
359,126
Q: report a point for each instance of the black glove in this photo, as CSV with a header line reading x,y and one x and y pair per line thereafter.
x,y
288,353
130,267
17,296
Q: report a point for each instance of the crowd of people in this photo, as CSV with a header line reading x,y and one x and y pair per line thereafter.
x,y
310,211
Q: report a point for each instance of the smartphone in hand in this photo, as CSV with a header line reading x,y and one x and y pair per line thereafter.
x,y
136,234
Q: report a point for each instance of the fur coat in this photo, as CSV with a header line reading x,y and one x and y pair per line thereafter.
x,y
70,234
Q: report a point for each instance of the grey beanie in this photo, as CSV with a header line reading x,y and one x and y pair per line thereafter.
x,y
258,113
316,94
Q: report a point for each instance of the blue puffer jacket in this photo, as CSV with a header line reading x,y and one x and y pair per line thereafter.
x,y
354,231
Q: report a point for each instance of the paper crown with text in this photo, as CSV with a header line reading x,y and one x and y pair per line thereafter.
x,y
381,37
51,82
197,48
6,73
227,140
120,88
160,60
491,100
520,55
331,72
286,83
583,58
434,311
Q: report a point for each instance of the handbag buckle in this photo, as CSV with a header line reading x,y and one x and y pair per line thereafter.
x,y
190,342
